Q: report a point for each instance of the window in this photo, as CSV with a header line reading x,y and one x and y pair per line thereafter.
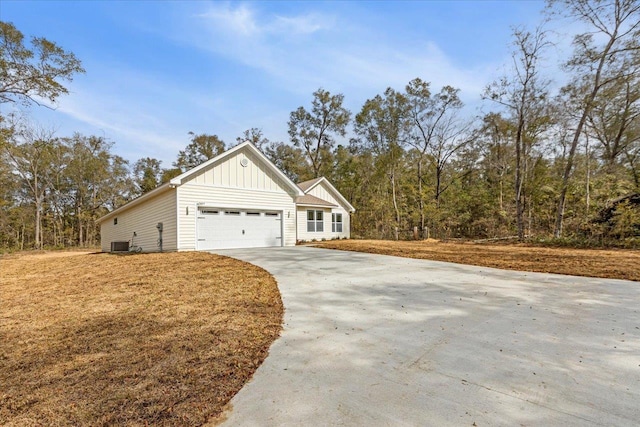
x,y
314,221
115,221
253,213
336,223
208,212
232,212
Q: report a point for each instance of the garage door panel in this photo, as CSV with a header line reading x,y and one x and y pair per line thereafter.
x,y
218,229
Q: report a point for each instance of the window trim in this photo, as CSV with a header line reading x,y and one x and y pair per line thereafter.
x,y
315,221
335,224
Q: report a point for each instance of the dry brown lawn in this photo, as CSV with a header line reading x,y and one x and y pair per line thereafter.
x,y
145,339
616,264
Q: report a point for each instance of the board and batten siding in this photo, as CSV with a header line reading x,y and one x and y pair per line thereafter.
x,y
142,219
231,173
231,185
323,193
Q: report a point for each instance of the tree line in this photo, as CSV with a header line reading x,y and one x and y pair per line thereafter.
x,y
552,159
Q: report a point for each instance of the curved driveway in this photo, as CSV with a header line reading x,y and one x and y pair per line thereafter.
x,y
377,340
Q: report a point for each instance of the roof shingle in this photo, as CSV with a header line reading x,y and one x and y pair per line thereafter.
x,y
310,200
304,186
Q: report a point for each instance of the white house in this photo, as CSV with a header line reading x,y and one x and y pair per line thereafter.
x,y
238,199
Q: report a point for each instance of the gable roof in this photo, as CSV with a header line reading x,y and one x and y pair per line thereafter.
x,y
182,178
307,186
304,186
311,200
161,189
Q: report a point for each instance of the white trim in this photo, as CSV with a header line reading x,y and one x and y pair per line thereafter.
x,y
223,207
315,221
317,206
237,207
177,222
226,187
136,201
334,190
180,179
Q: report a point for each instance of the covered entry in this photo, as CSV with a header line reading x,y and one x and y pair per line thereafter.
x,y
228,228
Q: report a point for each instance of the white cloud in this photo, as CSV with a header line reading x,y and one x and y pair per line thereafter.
x,y
240,21
243,21
302,52
145,115
148,113
303,24
135,134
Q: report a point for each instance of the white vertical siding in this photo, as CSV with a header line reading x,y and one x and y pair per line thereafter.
x,y
230,173
228,184
323,193
142,220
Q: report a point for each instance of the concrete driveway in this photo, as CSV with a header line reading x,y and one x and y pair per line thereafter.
x,y
376,340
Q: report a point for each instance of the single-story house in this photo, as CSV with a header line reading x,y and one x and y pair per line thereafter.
x,y
238,199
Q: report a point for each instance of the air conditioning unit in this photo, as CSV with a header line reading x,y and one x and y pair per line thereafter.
x,y
120,246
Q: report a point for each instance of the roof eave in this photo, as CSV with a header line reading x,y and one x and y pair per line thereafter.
x,y
158,190
350,208
180,179
317,205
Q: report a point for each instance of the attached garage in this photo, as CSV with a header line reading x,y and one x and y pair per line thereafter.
x,y
221,228
238,199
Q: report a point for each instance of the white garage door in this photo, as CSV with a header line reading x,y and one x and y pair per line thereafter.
x,y
219,229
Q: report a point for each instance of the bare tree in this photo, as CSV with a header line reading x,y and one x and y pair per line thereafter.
x,y
617,23
437,132
525,96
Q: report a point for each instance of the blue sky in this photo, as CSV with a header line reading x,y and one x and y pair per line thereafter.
x,y
157,70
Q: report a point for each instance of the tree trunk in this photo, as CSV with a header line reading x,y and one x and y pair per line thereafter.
x,y
420,198
38,205
557,232
518,181
588,183
588,105
80,225
394,196
501,194
438,185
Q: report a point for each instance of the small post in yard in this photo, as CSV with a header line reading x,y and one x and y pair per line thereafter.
x,y
425,233
396,230
415,233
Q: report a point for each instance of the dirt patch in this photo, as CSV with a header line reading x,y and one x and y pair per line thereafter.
x,y
615,264
148,339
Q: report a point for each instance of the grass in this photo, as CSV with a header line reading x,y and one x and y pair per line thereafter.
x,y
148,339
615,264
